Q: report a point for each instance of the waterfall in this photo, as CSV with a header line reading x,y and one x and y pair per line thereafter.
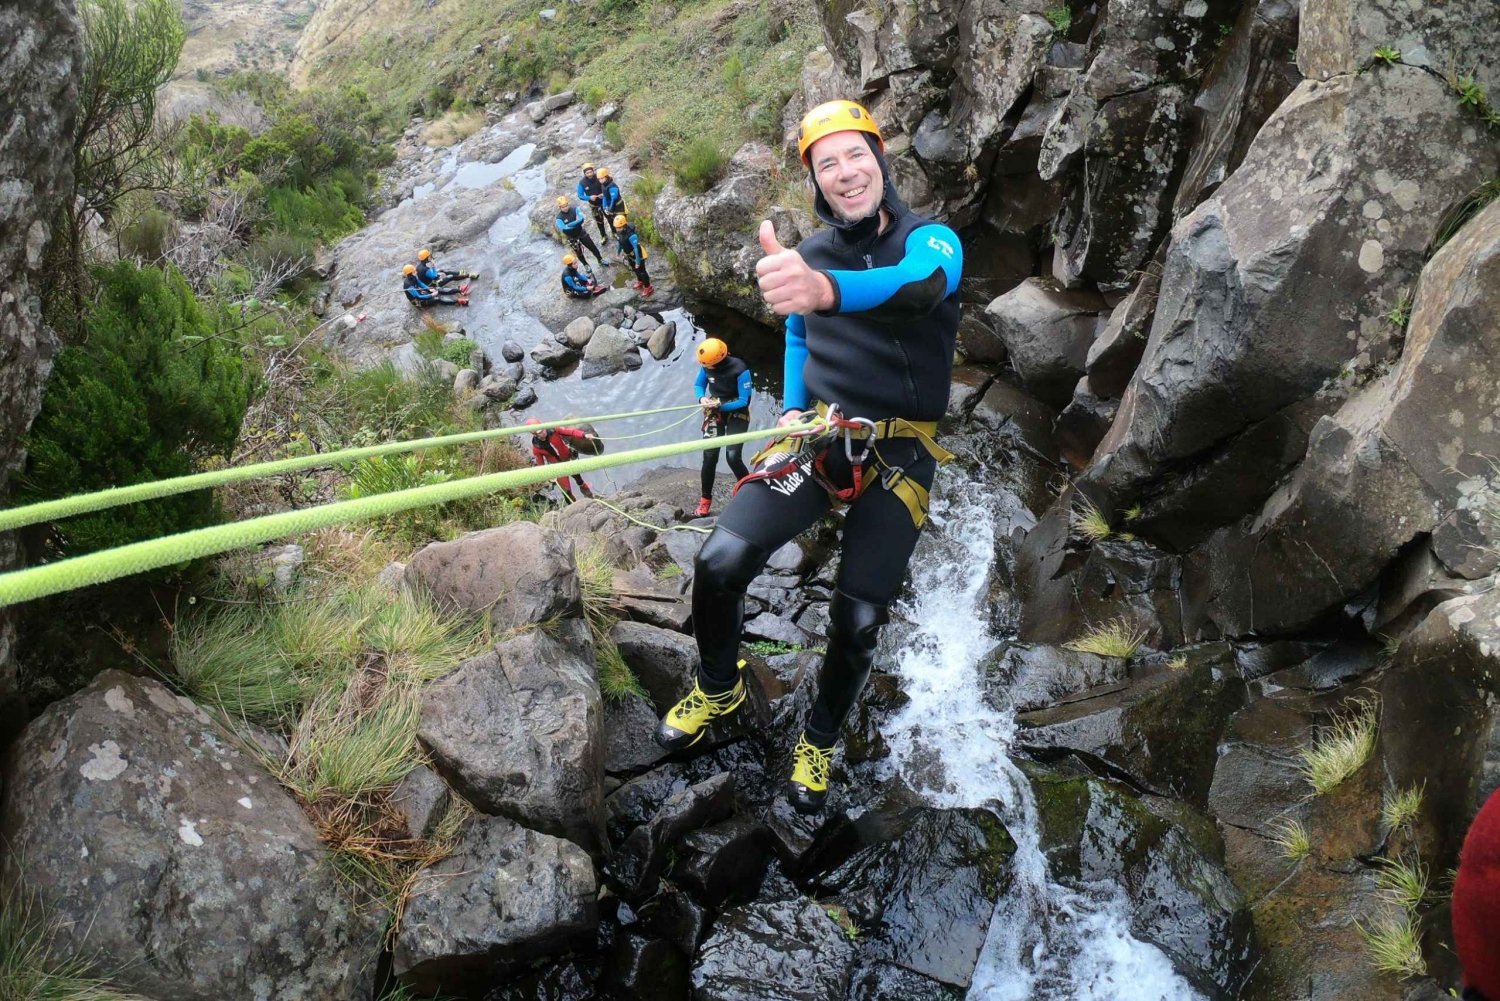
x,y
1046,941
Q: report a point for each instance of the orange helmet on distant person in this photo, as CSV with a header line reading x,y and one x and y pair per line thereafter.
x,y
712,351
620,220
562,202
569,260
603,173
410,269
834,116
423,254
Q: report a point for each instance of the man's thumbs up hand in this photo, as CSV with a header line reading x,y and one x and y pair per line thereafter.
x,y
786,282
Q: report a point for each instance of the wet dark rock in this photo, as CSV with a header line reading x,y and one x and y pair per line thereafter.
x,y
608,352
629,745
565,980
1167,860
635,868
644,598
977,339
1082,424
519,574
1162,727
920,883
1115,352
776,629
1068,589
645,969
675,916
783,951
152,840
664,661
525,397
507,894
1021,677
1047,331
724,863
880,981
519,731
551,355
512,352
1006,410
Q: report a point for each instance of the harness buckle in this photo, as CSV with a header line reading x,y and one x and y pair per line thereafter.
x,y
891,475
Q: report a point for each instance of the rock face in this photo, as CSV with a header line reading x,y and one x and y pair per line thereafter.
x,y
1398,459
519,731
519,574
1047,332
507,894
784,951
40,72
1338,37
1341,190
172,859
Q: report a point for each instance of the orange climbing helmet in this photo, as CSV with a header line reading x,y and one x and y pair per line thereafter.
x,y
834,116
712,351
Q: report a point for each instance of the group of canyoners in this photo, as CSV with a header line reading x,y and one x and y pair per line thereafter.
x,y
427,285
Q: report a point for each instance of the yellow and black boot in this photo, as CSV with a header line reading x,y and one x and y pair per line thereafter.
x,y
686,722
808,787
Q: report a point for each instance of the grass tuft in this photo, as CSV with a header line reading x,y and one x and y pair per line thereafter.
x,y
29,968
1091,523
1394,945
1178,663
1402,807
1404,883
1061,19
1341,748
616,681
1115,638
1291,840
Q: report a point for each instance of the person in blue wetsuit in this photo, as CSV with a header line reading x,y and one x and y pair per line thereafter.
x,y
872,314
432,275
611,198
591,193
575,283
723,390
634,252
572,224
422,295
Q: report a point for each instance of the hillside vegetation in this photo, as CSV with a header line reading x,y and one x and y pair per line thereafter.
x,y
722,69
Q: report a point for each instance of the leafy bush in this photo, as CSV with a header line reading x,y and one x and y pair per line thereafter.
x,y
328,210
147,234
699,166
432,345
151,393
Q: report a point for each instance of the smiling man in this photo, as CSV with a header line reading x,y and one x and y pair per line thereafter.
x,y
872,312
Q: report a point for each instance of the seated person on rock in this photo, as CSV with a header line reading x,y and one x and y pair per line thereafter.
x,y
551,445
576,284
422,295
432,275
871,302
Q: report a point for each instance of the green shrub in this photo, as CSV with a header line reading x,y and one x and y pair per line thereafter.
x,y
150,394
326,211
147,234
614,135
699,165
432,345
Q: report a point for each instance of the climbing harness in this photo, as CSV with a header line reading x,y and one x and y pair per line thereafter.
x,y
808,451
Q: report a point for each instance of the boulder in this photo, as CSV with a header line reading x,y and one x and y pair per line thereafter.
x,y
782,951
724,863
1047,332
42,73
630,745
640,968
519,574
639,863
1018,677
550,354
507,894
977,339
512,352
606,352
922,883
422,797
665,662
663,341
1338,38
1399,457
1169,862
577,334
465,382
1283,277
519,731
172,858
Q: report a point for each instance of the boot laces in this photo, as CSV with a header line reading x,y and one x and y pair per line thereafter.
x,y
700,702
817,760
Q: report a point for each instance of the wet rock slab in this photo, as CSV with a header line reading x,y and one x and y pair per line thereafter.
x,y
782,951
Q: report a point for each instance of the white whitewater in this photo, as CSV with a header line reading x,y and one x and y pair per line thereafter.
x,y
1046,942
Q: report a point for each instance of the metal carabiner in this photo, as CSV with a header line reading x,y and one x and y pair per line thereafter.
x,y
869,440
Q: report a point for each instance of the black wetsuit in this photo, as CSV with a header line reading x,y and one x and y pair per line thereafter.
x,y
885,350
575,284
571,222
590,190
730,383
634,253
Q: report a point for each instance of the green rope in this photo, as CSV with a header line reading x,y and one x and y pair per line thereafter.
x,y
646,524
65,507
111,564
643,434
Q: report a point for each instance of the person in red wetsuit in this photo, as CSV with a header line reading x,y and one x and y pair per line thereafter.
x,y
1476,905
548,446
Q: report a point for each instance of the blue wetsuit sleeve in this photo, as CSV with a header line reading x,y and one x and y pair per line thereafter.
x,y
927,275
794,390
744,388
700,388
575,283
583,196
